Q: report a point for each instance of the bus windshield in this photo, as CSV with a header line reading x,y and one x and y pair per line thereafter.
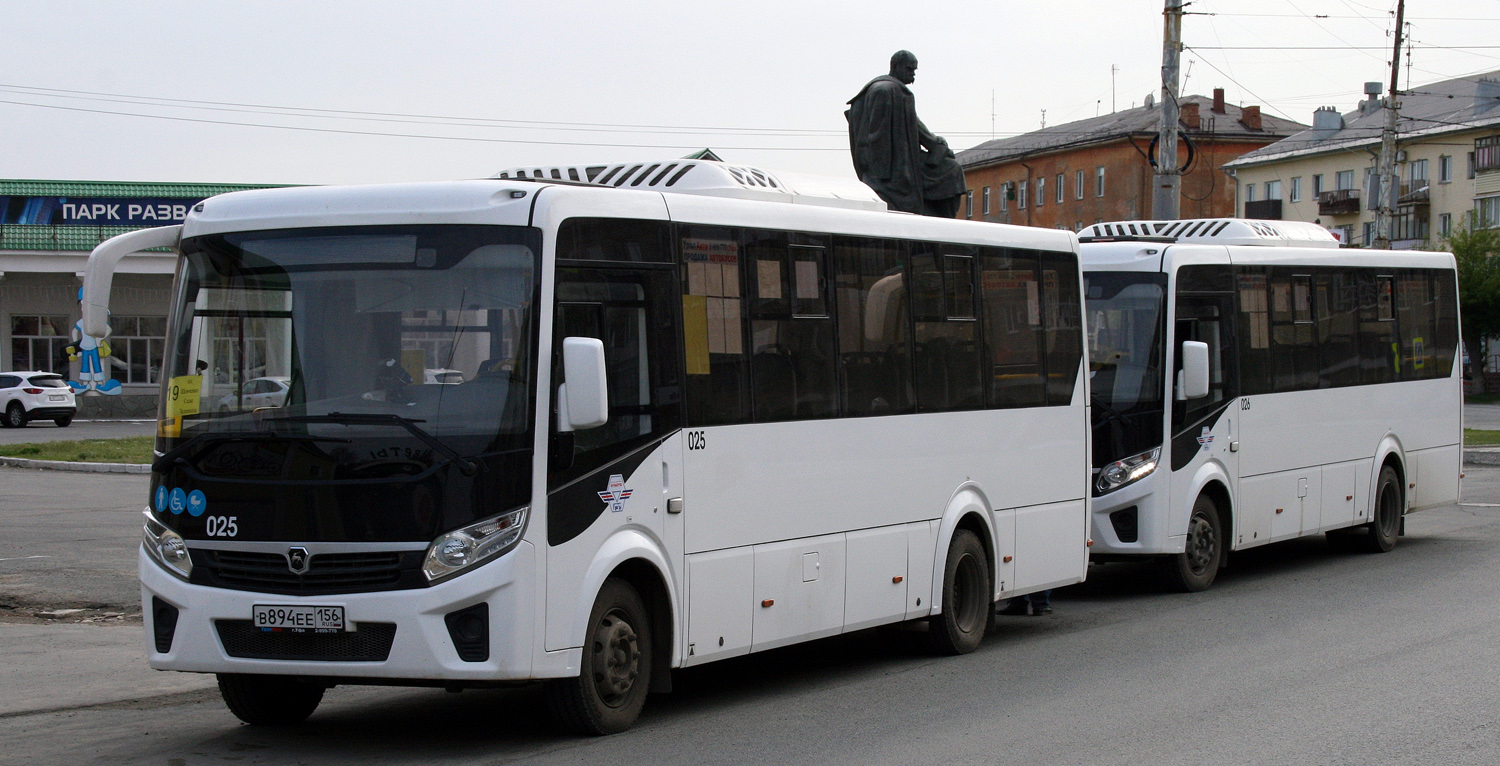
x,y
346,332
1127,329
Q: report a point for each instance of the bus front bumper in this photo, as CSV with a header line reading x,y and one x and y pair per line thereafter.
x,y
1131,521
421,649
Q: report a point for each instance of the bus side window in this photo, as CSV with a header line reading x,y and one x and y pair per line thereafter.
x,y
713,328
1064,336
1011,294
875,365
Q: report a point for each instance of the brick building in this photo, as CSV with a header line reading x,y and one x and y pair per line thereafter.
x,y
1079,173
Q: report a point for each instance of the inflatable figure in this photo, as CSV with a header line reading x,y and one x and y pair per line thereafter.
x,y
90,352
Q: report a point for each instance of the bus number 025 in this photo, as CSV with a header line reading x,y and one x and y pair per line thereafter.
x,y
222,526
695,440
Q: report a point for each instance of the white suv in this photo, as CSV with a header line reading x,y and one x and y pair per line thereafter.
x,y
28,396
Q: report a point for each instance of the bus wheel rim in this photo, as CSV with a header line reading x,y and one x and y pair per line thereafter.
x,y
617,658
1201,544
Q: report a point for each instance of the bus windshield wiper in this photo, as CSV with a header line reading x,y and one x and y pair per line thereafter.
x,y
466,466
160,464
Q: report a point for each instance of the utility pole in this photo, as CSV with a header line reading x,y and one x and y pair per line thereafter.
x,y
1389,190
1166,198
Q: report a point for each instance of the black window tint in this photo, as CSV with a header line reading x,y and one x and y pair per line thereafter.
x,y
713,326
871,296
1064,335
1253,293
1445,326
614,239
958,284
623,308
1336,297
9,381
1294,348
1415,322
945,352
793,372
1206,318
1377,328
1011,294
809,276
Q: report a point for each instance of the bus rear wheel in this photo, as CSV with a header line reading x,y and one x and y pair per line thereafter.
x,y
967,599
1196,567
615,675
269,700
1385,525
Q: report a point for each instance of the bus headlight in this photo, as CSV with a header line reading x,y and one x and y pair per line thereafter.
x,y
167,547
481,541
1127,471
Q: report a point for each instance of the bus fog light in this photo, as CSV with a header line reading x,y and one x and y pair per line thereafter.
x,y
1127,471
462,548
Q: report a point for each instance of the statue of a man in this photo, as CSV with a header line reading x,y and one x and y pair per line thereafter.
x,y
894,153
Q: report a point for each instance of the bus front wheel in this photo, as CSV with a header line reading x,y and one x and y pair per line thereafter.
x,y
967,599
269,700
615,674
1196,567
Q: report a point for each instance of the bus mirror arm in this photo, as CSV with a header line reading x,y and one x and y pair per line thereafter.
x,y
583,400
1192,379
99,274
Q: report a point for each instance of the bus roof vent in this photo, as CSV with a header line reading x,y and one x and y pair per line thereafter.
x,y
1216,231
712,179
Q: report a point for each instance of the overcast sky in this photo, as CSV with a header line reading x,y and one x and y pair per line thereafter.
x,y
567,81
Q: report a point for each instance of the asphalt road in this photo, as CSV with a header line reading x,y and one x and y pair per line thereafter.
x,y
1298,655
45,431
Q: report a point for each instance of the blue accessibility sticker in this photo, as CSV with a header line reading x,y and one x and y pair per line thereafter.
x,y
196,502
161,499
178,501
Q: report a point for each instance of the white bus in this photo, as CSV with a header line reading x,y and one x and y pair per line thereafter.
x,y
1252,382
687,411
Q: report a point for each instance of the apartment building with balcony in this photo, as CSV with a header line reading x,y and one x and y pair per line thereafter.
x,y
1079,173
1447,165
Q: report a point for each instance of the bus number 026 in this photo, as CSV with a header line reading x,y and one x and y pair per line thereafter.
x,y
696,441
222,526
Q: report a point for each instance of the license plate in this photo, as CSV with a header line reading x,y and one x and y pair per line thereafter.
x,y
299,619
57,397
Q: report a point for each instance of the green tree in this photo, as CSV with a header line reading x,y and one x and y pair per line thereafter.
x,y
1477,251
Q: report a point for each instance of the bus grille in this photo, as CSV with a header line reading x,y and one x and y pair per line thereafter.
x,y
371,643
326,573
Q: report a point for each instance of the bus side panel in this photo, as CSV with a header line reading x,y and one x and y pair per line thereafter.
x,y
799,591
721,585
877,577
1047,539
1339,482
1437,476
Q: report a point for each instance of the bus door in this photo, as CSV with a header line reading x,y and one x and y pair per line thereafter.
x,y
1205,429
622,474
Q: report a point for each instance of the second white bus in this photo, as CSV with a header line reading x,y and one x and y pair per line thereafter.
x,y
1252,382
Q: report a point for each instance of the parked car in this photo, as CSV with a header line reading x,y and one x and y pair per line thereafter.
x,y
35,395
443,377
257,393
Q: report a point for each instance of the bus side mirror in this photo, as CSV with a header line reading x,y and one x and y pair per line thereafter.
x,y
583,401
1192,381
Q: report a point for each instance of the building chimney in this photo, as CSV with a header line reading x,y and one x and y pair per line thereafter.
x,y
1190,115
1218,101
1328,118
1250,117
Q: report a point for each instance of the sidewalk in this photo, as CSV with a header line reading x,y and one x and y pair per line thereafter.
x,y
59,667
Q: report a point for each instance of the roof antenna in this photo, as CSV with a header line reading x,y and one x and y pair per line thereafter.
x,y
1044,118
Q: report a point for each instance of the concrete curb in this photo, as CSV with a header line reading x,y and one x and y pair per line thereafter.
x,y
63,465
1482,456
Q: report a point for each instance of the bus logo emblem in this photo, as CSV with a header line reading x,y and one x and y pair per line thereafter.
x,y
1205,438
616,494
297,560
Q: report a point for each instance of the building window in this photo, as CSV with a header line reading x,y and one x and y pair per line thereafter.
x,y
1078,185
1296,189
1041,191
985,200
1418,173
969,204
1273,190
1021,197
1004,190
1369,231
1059,190
1099,181
1344,180
1471,164
1487,153
1445,169
1445,224
1249,192
39,343
138,342
1487,212
1317,184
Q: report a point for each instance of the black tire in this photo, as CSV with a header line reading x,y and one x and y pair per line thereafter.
x,y
1196,567
615,675
63,422
968,605
269,700
15,416
1385,518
